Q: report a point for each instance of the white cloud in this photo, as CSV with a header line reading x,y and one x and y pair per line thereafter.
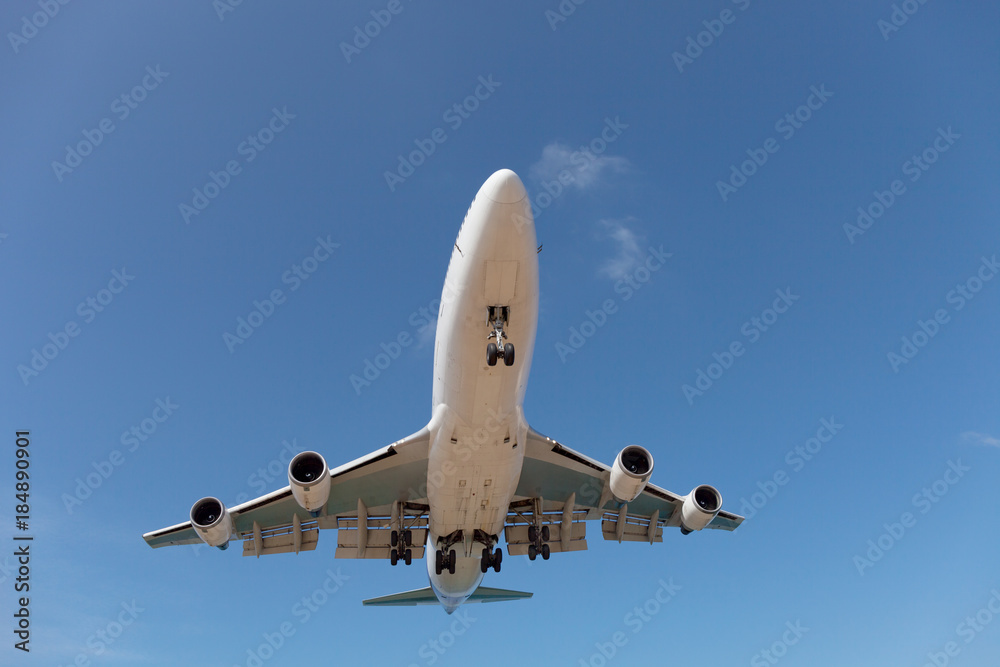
x,y
582,169
629,251
981,439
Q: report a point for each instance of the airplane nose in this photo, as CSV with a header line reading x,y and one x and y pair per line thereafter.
x,y
504,187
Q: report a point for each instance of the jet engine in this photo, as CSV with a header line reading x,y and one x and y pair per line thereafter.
x,y
699,508
212,522
630,472
309,477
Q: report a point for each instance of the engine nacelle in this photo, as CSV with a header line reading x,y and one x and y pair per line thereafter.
x,y
309,477
699,508
630,472
212,522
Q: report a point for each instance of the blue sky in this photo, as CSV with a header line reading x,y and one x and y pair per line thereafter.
x,y
746,158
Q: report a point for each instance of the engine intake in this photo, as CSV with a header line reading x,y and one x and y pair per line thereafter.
x,y
212,522
699,508
309,477
631,471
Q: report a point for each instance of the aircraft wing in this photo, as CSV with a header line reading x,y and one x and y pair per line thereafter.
x,y
390,481
563,489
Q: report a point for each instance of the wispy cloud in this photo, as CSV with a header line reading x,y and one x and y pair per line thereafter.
x,y
981,439
628,248
574,168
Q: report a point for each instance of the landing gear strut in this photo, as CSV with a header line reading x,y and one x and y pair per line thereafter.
x,y
538,539
401,551
498,316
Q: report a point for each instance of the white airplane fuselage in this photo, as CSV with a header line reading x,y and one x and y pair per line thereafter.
x,y
477,426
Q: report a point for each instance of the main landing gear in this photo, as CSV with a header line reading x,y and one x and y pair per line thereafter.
x,y
402,551
444,561
490,559
538,539
498,316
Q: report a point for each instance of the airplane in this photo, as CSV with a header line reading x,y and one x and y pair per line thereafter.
x,y
477,469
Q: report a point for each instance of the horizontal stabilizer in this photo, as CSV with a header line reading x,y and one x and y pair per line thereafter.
x,y
426,596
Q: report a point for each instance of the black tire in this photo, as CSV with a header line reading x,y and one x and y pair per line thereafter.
x,y
532,552
393,538
439,562
484,564
408,556
393,556
545,533
491,354
532,534
508,354
497,558
452,559
545,552
408,538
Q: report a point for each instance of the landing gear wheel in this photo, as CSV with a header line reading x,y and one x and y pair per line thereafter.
x,y
545,533
393,538
532,534
408,556
439,562
484,564
491,354
508,354
545,552
408,538
532,552
452,558
497,557
393,556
